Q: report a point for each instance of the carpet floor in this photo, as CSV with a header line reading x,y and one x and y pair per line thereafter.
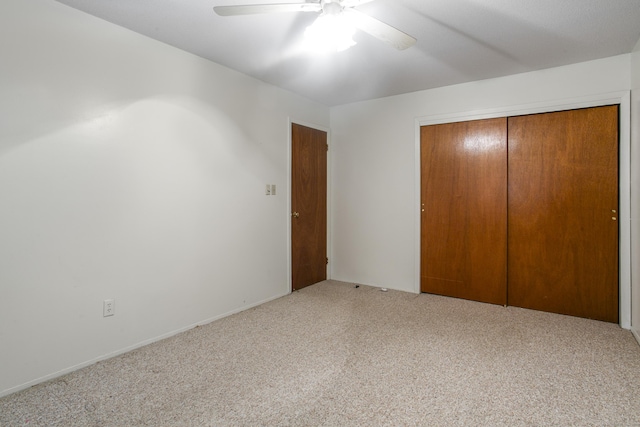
x,y
336,355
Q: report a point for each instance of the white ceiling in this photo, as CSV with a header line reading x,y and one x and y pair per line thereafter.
x,y
458,41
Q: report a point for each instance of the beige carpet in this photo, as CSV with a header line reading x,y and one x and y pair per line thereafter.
x,y
336,355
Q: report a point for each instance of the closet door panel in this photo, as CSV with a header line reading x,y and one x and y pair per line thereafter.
x,y
562,218
464,209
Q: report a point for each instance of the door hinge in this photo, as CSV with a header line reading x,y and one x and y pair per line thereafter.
x,y
327,147
327,260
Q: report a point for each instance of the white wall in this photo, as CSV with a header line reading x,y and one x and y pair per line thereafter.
x,y
129,170
375,234
635,193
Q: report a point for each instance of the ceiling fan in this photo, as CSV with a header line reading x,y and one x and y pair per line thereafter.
x,y
330,8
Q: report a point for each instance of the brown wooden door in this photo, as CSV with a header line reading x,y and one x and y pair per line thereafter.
x,y
464,210
563,198
309,206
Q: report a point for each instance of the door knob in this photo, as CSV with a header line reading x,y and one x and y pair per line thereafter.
x,y
295,214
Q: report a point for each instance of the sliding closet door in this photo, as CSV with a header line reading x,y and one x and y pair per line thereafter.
x,y
563,204
464,209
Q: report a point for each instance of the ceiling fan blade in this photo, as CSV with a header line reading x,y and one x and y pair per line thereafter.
x,y
251,9
380,30
353,3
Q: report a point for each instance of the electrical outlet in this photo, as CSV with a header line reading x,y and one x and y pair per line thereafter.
x,y
108,307
273,189
268,192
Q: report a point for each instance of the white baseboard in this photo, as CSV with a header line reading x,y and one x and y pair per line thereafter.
x,y
132,347
636,334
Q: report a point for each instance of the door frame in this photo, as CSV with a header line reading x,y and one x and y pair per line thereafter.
x,y
621,98
290,122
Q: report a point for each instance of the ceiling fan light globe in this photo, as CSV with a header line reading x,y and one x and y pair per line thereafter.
x,y
330,33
